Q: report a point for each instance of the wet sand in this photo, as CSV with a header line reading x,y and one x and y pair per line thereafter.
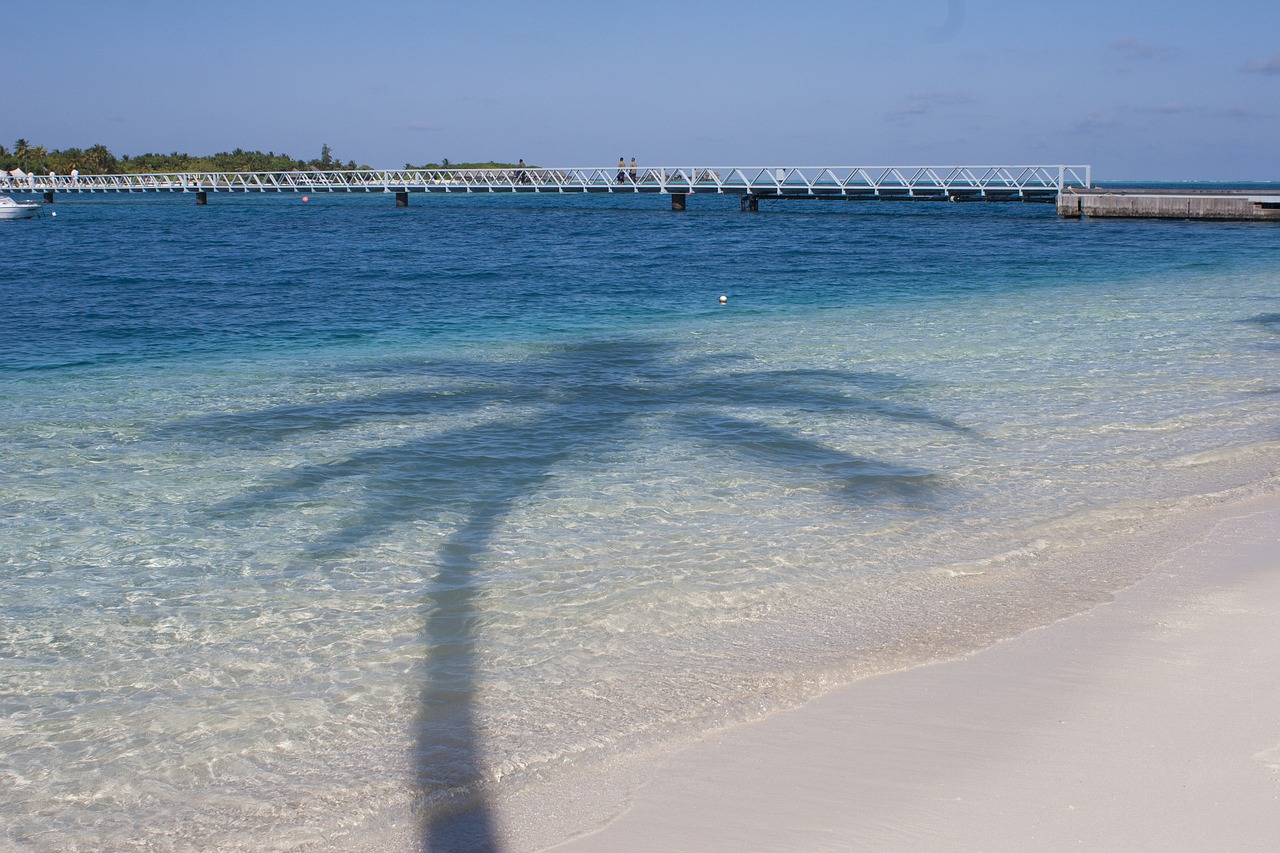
x,y
1148,723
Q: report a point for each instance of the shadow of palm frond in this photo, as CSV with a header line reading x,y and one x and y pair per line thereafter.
x,y
1269,322
854,478
575,401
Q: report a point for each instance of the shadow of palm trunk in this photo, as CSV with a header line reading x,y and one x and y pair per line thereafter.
x,y
455,812
452,792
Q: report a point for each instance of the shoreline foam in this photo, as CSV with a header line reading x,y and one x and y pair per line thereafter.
x,y
1145,723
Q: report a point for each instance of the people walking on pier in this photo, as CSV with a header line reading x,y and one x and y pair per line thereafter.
x,y
633,170
522,176
622,170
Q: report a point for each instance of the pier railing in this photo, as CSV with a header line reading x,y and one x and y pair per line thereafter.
x,y
1026,183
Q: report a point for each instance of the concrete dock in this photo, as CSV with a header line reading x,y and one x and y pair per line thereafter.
x,y
1141,203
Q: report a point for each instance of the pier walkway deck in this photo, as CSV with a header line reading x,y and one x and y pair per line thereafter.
x,y
953,183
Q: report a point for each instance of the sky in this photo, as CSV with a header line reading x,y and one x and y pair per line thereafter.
x,y
1138,89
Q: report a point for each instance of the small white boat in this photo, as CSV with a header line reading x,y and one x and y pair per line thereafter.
x,y
10,209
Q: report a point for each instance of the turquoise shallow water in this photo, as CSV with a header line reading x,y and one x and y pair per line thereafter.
x,y
312,511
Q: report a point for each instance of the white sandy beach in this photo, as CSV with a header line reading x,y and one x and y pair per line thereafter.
x,y
1148,723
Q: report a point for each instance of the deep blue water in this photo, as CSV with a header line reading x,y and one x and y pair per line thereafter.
x,y
143,279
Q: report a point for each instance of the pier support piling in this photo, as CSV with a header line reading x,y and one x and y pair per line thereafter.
x,y
402,199
750,203
678,201
48,197
202,197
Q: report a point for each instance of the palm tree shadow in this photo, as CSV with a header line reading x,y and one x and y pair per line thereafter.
x,y
855,478
455,814
1269,323
567,404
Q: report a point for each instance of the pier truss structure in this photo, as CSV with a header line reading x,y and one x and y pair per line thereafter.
x,y
751,183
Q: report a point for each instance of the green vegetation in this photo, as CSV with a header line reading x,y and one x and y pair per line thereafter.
x,y
98,160
447,164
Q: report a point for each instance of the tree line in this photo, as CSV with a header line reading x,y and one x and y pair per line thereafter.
x,y
98,160
447,164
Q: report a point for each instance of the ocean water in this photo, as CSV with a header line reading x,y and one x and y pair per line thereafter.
x,y
317,513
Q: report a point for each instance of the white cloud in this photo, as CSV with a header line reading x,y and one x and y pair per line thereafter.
x,y
1096,121
1131,48
1242,113
929,103
1271,65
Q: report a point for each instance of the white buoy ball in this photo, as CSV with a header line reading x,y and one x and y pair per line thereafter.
x,y
53,213
723,299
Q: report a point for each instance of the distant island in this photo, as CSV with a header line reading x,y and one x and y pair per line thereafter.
x,y
98,160
488,164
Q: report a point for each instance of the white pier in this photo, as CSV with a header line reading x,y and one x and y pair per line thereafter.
x,y
751,183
